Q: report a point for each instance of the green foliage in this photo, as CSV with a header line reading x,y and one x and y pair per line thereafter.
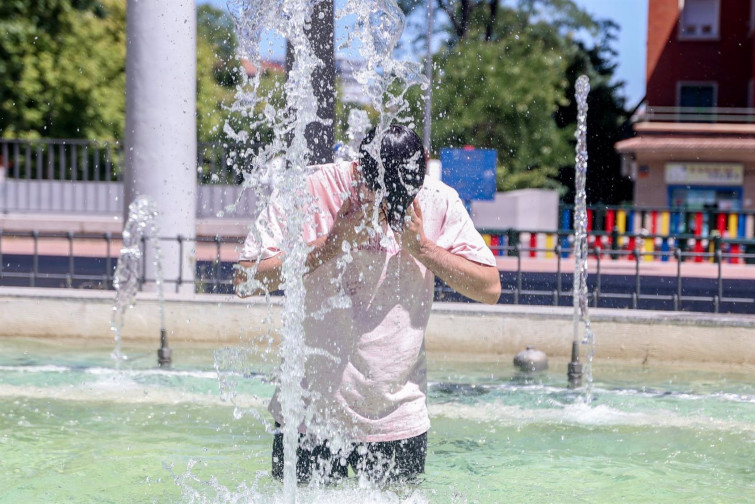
x,y
506,81
63,68
503,95
218,71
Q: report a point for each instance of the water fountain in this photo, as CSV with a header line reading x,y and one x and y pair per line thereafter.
x,y
140,228
576,368
69,435
377,27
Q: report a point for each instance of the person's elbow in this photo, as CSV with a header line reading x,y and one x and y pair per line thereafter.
x,y
492,291
241,278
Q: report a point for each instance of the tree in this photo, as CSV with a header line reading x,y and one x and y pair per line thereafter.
x,y
218,71
507,82
503,95
63,68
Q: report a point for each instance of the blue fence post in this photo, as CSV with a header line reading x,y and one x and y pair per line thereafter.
x,y
565,227
664,249
742,225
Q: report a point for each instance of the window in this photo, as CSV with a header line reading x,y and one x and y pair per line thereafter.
x,y
697,95
699,19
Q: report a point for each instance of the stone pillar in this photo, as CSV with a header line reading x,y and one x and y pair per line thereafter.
x,y
321,35
161,134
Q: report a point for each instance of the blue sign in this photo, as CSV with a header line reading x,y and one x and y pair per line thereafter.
x,y
470,171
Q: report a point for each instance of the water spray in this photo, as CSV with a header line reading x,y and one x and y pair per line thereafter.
x,y
579,287
375,29
140,226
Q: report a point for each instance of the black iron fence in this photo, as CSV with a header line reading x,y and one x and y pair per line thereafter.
x,y
88,261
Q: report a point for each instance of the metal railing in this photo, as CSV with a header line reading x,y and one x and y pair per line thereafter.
x,y
61,159
78,160
697,114
55,260
81,176
636,290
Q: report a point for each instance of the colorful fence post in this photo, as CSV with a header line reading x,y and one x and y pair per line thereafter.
x,y
565,226
737,225
630,229
621,225
495,242
698,247
665,249
610,225
487,237
550,245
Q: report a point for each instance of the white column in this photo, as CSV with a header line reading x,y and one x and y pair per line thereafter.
x,y
161,133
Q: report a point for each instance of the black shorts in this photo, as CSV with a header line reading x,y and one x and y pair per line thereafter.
x,y
381,462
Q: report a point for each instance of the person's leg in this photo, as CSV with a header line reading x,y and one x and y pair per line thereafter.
x,y
382,462
303,460
372,460
327,464
410,455
309,457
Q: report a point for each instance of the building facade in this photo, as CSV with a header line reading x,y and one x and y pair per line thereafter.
x,y
694,143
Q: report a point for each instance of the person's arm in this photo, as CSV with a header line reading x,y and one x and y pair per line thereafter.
x,y
476,281
347,226
268,271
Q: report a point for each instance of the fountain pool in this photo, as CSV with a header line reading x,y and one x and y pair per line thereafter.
x,y
73,429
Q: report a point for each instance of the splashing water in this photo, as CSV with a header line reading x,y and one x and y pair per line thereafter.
x,y
582,88
140,226
284,112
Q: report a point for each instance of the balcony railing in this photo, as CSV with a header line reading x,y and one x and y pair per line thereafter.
x,y
696,114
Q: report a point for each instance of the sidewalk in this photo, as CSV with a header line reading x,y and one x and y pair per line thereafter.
x,y
230,230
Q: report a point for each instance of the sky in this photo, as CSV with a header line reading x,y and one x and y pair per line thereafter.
x,y
631,16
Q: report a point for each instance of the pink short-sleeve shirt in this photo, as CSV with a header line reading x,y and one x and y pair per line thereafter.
x,y
367,317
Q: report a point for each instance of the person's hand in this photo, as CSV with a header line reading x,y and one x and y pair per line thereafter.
x,y
351,224
413,238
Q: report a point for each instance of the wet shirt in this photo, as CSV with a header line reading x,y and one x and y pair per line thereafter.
x,y
366,312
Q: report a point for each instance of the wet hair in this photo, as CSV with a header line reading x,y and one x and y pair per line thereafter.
x,y
403,169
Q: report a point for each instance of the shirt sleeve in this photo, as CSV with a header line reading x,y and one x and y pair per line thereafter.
x,y
327,186
266,233
460,237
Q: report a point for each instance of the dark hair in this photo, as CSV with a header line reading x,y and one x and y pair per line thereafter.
x,y
403,169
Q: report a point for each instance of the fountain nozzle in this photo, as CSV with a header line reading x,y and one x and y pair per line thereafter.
x,y
575,367
164,352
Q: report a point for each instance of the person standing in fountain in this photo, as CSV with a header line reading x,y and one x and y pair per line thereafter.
x,y
380,233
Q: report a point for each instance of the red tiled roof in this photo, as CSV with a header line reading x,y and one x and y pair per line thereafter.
x,y
668,144
251,69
